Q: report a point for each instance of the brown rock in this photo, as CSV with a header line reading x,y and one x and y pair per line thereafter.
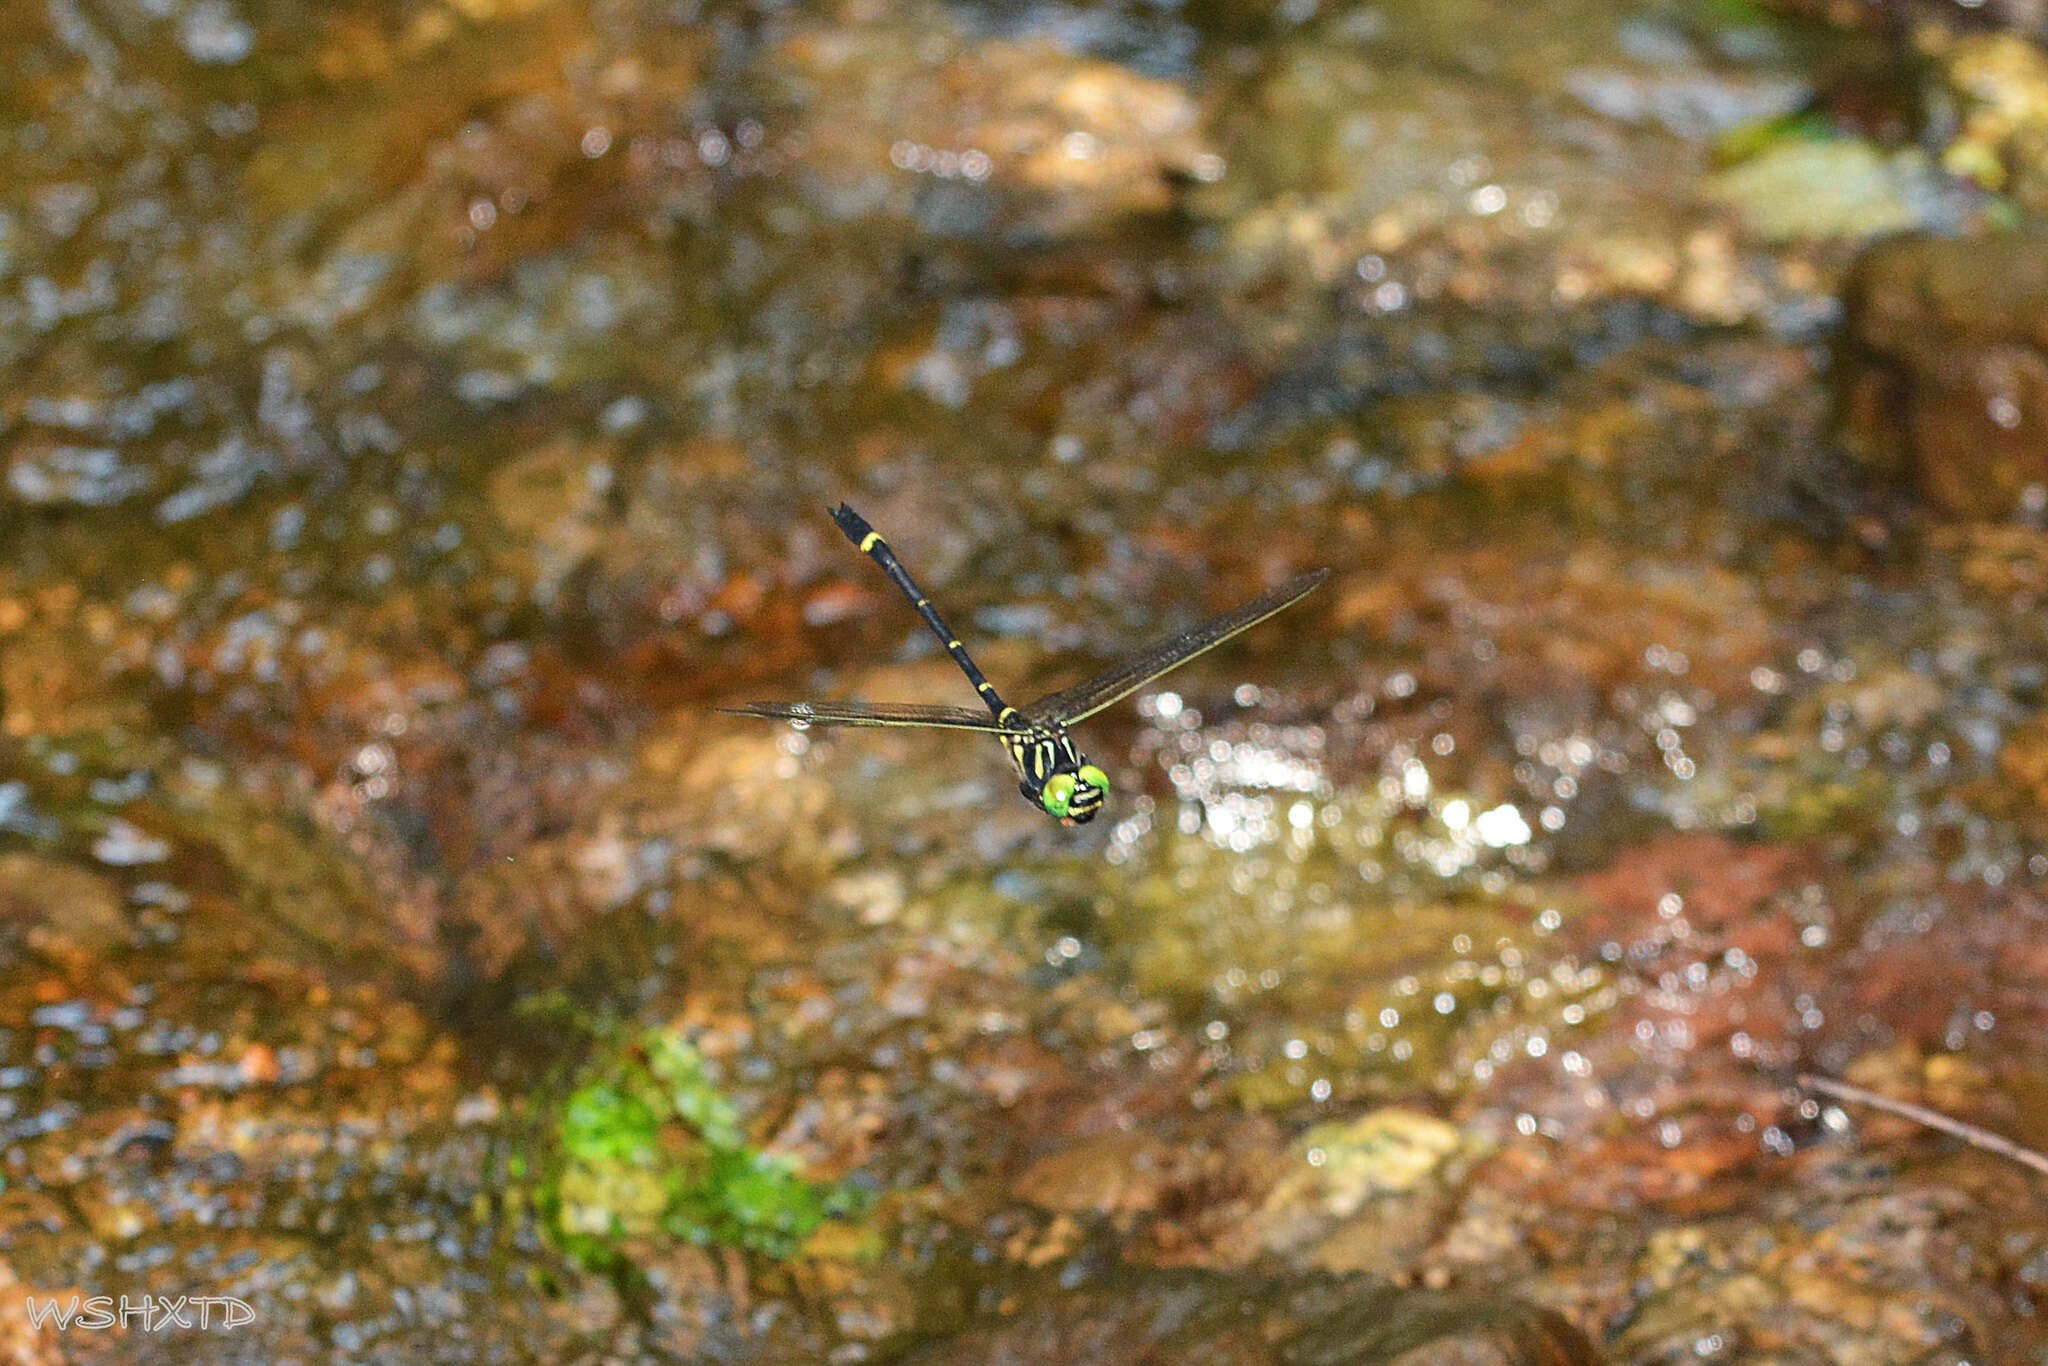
x,y
72,905
1945,369
21,1342
1901,17
1182,1318
1060,144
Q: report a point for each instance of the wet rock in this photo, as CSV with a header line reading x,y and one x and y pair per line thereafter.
x,y
547,902
1899,18
2007,562
280,887
1387,1152
2024,763
1858,1269
86,476
55,661
1115,1174
553,502
1691,973
1685,100
1185,1318
2001,85
1365,1195
60,905
997,136
1839,188
746,793
21,1342
1404,184
1945,369
1198,1179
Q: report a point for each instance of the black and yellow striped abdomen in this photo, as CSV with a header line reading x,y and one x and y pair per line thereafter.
x,y
870,543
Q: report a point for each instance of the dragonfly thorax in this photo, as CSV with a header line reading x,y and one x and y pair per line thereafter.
x,y
1054,775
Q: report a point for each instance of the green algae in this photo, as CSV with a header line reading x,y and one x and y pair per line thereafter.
x,y
650,1147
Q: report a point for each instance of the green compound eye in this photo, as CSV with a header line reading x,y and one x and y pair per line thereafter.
x,y
1058,791
1095,777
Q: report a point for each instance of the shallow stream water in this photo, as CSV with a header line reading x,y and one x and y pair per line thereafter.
x,y
418,418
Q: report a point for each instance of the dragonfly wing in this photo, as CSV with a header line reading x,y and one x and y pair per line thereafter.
x,y
1119,681
869,714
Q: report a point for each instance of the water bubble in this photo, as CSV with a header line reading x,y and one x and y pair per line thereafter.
x,y
1501,827
124,845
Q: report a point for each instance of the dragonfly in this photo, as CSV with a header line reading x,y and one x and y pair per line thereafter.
x,y
1052,773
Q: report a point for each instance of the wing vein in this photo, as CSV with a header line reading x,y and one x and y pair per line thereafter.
x,y
901,714
1120,680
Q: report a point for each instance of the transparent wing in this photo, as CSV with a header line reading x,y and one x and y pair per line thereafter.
x,y
1119,681
870,714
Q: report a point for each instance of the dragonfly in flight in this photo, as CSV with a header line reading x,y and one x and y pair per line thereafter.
x,y
1052,774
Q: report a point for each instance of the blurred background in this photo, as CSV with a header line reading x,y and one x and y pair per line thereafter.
x,y
418,416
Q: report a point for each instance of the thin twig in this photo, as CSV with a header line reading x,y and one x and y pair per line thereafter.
x,y
1933,1119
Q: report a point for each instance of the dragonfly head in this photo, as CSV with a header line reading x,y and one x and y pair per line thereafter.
x,y
1075,797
